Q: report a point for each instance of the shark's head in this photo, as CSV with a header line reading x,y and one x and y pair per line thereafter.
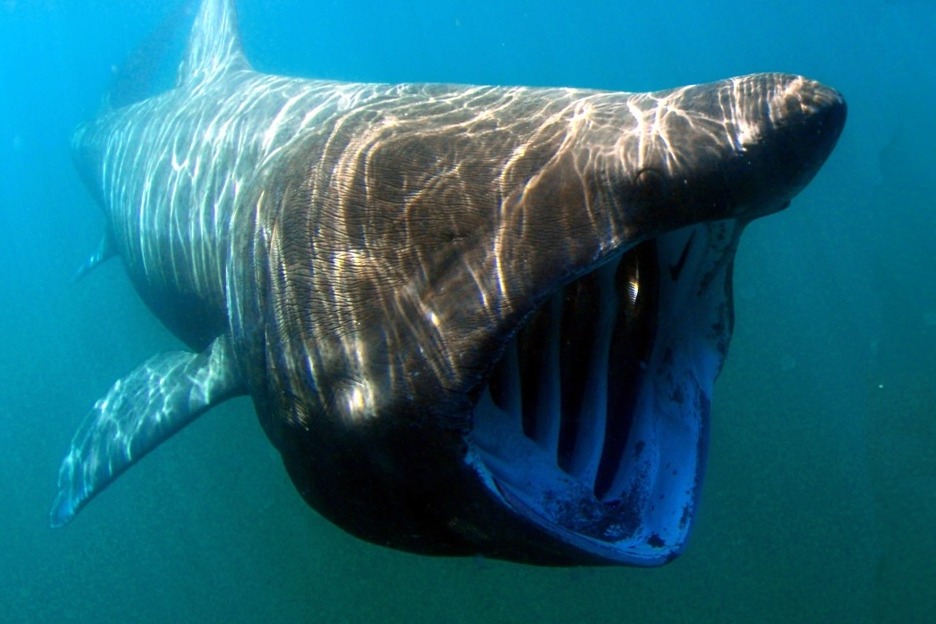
x,y
593,424
522,366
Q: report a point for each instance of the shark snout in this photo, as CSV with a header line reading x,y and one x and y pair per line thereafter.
x,y
784,127
808,118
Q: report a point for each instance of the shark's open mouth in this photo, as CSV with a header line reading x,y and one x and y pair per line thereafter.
x,y
593,426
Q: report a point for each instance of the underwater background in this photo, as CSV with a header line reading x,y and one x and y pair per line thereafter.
x,y
820,498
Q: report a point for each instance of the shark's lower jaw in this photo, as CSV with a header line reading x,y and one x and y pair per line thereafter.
x,y
593,426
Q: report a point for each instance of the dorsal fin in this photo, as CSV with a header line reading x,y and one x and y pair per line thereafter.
x,y
214,45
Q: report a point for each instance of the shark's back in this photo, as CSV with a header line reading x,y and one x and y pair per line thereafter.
x,y
172,171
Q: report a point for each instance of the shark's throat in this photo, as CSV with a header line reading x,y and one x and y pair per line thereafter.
x,y
593,425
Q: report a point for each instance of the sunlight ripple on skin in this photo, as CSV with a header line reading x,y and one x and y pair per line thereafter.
x,y
473,320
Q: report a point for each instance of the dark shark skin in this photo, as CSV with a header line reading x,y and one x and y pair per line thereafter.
x,y
473,320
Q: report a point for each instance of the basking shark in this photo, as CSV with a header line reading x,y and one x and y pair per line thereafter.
x,y
472,320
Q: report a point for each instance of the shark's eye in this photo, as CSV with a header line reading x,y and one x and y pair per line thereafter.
x,y
649,185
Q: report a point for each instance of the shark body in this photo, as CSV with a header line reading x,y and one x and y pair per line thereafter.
x,y
473,320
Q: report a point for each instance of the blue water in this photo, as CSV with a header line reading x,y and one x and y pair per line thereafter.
x,y
820,499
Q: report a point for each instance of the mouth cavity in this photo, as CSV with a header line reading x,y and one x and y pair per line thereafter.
x,y
593,425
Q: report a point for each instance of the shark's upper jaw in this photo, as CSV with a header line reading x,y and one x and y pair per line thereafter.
x,y
593,425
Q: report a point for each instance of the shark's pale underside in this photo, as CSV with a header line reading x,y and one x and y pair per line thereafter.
x,y
473,320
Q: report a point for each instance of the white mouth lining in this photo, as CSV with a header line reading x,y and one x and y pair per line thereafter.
x,y
643,517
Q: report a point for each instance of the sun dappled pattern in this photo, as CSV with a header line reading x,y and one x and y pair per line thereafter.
x,y
472,319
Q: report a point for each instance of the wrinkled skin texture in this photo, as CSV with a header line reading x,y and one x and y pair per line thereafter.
x,y
401,277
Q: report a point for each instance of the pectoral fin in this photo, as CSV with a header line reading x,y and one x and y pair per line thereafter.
x,y
105,250
139,412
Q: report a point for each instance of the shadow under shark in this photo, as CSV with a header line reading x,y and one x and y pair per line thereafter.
x,y
473,320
